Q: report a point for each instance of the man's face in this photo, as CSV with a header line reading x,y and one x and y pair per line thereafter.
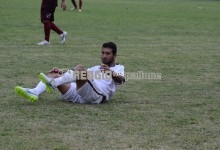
x,y
107,56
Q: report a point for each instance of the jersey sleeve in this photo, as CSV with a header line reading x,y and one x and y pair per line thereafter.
x,y
119,69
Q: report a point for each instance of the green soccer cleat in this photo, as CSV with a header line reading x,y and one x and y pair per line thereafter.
x,y
26,93
47,81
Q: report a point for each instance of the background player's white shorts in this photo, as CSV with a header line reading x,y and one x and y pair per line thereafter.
x,y
88,93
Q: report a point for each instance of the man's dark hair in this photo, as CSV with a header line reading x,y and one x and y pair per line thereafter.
x,y
111,46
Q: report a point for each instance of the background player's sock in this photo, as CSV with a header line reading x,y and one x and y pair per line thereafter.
x,y
47,30
55,28
80,5
74,4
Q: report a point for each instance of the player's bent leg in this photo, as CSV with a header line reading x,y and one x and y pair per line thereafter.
x,y
70,94
64,88
80,82
91,94
26,93
47,81
51,83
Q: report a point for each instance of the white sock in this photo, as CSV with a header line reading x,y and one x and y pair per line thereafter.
x,y
40,88
66,78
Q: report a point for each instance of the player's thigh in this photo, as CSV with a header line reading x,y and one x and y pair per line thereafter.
x,y
47,14
90,93
71,95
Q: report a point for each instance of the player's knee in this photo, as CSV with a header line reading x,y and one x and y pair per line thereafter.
x,y
53,75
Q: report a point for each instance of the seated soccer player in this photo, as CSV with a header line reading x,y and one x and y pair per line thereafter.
x,y
93,85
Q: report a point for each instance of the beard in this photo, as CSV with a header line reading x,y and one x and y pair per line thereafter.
x,y
107,62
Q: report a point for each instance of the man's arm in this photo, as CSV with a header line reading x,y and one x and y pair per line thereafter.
x,y
117,78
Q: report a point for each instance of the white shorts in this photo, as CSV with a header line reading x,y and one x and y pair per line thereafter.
x,y
89,93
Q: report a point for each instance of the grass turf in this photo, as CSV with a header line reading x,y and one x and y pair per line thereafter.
x,y
179,39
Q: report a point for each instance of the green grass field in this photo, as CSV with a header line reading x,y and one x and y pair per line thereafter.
x,y
177,38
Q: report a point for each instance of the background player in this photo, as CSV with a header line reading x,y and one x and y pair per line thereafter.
x,y
75,5
47,18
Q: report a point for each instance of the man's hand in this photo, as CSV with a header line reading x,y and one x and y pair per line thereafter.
x,y
63,5
116,77
104,67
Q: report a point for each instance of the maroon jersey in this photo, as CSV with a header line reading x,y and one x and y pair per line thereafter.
x,y
49,3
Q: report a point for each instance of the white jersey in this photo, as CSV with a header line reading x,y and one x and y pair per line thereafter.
x,y
107,86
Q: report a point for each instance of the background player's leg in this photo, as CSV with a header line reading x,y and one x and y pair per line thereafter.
x,y
55,28
74,4
80,5
47,28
